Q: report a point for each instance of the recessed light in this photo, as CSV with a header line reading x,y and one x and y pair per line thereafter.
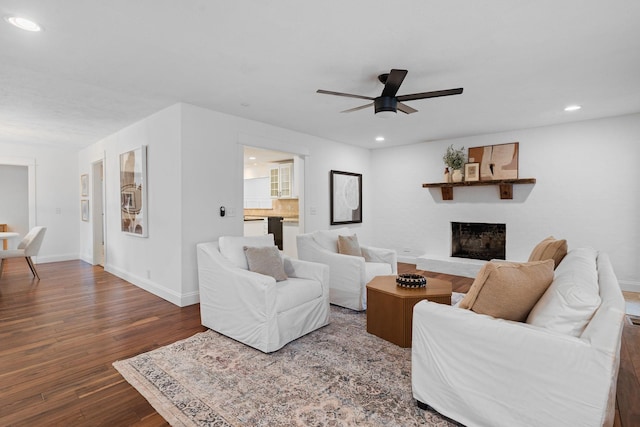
x,y
23,23
252,158
572,108
380,138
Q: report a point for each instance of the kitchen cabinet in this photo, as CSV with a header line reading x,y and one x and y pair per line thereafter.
x,y
255,227
256,193
290,229
281,181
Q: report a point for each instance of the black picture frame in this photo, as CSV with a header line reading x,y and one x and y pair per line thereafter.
x,y
345,197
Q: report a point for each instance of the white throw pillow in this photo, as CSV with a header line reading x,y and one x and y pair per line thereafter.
x,y
232,247
573,297
328,239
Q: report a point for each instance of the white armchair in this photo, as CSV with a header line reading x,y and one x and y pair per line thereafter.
x,y
253,308
348,275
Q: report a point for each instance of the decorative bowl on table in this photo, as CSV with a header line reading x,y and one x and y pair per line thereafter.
x,y
409,280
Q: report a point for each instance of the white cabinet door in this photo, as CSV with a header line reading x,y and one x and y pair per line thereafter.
x,y
255,228
289,232
281,181
256,193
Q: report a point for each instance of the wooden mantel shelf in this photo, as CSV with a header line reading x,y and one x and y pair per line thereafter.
x,y
506,186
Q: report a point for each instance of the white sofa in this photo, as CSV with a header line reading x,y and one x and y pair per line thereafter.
x,y
349,275
253,308
559,368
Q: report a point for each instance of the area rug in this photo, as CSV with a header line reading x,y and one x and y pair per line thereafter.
x,y
338,375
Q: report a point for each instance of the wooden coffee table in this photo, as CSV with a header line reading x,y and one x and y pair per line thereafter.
x,y
390,307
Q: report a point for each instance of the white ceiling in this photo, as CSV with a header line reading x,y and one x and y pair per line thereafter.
x,y
99,65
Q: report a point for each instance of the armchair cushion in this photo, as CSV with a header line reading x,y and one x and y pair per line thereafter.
x,y
348,245
232,247
508,290
266,260
295,292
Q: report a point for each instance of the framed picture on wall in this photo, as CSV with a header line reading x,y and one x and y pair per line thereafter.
x,y
84,185
472,171
84,209
496,161
133,192
346,197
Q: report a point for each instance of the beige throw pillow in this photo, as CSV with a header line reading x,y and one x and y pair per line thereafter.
x,y
549,248
508,290
348,245
266,260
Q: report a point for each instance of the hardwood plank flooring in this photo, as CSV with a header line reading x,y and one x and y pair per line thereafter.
x,y
60,335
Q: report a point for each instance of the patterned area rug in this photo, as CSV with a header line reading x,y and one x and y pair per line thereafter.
x,y
338,375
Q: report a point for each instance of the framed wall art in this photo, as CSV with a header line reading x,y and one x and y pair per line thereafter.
x,y
133,192
472,171
346,197
84,185
496,161
84,209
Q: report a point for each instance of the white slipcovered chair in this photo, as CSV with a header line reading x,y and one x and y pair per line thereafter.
x,y
253,308
348,274
28,247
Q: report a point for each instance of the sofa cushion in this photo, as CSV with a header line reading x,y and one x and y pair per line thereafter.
x,y
348,245
573,297
508,290
266,260
549,248
295,291
328,239
232,247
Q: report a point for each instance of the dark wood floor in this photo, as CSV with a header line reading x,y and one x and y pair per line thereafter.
x,y
59,337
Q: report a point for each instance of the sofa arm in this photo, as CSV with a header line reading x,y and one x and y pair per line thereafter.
x,y
388,256
483,371
307,270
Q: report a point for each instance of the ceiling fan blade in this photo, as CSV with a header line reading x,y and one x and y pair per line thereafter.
x,y
433,94
405,108
394,80
348,95
362,107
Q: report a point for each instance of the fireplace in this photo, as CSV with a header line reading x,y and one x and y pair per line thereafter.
x,y
477,240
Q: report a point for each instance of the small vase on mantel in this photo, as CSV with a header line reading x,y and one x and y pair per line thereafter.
x,y
456,176
447,175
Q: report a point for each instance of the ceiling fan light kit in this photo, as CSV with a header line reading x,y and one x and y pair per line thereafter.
x,y
388,104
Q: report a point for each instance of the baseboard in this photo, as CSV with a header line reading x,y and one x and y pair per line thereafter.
x,y
629,286
181,300
43,259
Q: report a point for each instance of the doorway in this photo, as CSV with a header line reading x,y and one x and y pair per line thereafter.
x,y
273,198
97,212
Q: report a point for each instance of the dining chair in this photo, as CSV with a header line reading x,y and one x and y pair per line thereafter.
x,y
28,247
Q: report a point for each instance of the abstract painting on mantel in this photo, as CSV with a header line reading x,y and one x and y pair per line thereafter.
x,y
496,161
133,191
346,197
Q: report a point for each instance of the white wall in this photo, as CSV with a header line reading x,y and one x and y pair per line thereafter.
x,y
153,263
586,192
14,208
195,165
56,202
213,171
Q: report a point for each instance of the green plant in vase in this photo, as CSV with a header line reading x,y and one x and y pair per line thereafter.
x,y
455,159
